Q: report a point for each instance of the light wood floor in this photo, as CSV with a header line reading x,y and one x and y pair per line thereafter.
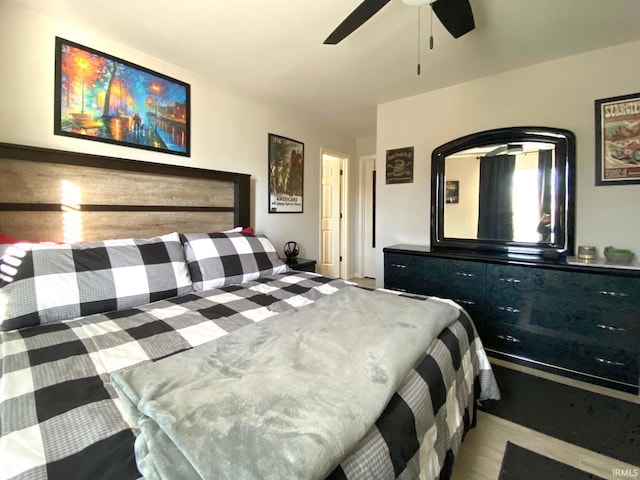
x,y
481,454
364,282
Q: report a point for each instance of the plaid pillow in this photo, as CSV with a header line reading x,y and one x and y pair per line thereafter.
x,y
217,259
49,283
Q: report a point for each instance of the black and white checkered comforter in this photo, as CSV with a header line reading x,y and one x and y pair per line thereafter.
x,y
61,419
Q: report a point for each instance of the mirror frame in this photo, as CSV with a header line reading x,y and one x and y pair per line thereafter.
x,y
565,157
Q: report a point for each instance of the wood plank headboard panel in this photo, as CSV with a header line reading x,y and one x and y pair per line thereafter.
x,y
64,196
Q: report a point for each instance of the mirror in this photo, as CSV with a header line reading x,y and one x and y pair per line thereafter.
x,y
505,190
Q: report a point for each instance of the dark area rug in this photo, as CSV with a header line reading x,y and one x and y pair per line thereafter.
x,y
597,422
521,464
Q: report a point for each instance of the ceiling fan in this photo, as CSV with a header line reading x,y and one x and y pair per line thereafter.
x,y
455,15
509,149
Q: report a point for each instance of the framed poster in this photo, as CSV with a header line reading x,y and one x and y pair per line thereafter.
x,y
286,174
451,191
618,140
399,165
106,99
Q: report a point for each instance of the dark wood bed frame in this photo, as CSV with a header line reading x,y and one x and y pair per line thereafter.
x,y
107,197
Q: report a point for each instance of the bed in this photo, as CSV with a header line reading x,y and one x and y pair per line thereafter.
x,y
66,359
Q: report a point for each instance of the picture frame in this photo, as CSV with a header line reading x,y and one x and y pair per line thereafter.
x,y
399,165
286,175
452,189
617,121
104,98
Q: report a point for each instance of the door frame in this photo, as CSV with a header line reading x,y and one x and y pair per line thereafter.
x,y
344,209
361,203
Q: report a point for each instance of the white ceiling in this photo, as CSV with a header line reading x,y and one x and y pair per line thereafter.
x,y
273,49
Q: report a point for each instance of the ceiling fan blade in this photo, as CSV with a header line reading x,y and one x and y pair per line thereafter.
x,y
455,15
360,15
496,151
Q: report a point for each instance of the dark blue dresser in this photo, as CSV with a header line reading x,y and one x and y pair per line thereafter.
x,y
581,321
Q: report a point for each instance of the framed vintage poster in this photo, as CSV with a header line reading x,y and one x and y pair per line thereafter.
x,y
286,174
618,140
399,165
104,98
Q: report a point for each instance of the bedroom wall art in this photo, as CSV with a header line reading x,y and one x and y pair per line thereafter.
x,y
286,174
453,189
618,140
399,165
104,98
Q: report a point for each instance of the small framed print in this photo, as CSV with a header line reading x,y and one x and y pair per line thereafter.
x,y
451,192
399,166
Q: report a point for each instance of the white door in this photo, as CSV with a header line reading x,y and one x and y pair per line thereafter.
x,y
330,261
368,212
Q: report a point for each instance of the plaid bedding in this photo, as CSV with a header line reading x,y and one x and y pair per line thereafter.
x,y
60,417
228,258
45,283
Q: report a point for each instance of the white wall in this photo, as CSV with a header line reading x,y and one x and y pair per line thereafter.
x,y
228,131
559,94
365,146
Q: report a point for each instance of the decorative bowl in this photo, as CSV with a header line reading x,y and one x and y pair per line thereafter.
x,y
617,257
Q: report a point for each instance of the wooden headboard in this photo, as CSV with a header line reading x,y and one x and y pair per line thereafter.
x,y
53,195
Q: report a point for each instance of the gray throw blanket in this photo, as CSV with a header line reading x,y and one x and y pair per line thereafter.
x,y
285,398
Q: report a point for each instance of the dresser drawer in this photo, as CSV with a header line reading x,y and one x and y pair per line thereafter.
x,y
463,282
518,286
610,287
402,272
607,362
605,326
435,276
612,362
512,340
608,300
568,318
525,279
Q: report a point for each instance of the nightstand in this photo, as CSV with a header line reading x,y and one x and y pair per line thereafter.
x,y
302,264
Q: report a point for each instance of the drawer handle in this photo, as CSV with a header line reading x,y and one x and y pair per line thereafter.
x,y
509,309
612,329
464,302
464,274
604,361
613,294
509,280
508,338
398,265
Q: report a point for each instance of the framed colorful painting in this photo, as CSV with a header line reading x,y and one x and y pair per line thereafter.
x,y
618,140
286,174
104,98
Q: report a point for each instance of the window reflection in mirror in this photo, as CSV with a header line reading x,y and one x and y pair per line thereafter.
x,y
527,209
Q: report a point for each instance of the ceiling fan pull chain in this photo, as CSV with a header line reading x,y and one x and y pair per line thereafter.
x,y
418,41
431,28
